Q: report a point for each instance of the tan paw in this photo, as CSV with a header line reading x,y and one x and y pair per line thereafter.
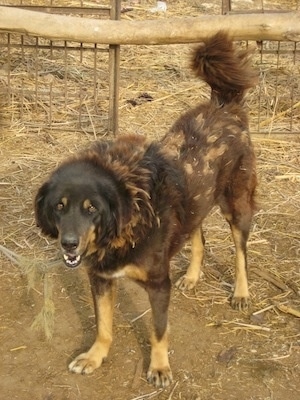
x,y
185,283
240,303
160,377
84,364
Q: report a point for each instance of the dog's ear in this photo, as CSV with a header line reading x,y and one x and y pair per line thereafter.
x,y
113,220
121,213
109,228
116,222
43,212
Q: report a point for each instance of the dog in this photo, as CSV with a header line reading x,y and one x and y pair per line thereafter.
x,y
125,207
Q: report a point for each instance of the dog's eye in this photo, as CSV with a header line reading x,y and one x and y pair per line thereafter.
x,y
92,209
59,206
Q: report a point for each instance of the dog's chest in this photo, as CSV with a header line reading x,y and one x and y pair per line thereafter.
x,y
130,271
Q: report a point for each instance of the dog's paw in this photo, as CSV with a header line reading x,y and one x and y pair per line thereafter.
x,y
160,377
84,364
185,283
240,303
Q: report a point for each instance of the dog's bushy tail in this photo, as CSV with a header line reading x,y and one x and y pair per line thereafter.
x,y
226,68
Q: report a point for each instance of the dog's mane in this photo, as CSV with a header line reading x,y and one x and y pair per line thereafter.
x,y
139,169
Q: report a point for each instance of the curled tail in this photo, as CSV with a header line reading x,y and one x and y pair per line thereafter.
x,y
226,68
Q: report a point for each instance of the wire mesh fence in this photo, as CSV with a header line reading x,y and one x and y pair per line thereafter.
x,y
62,84
276,100
275,104
70,85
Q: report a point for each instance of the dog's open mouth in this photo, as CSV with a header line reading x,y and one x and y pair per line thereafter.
x,y
72,261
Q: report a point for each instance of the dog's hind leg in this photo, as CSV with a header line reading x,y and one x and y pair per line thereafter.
x,y
241,292
103,296
238,212
193,273
159,372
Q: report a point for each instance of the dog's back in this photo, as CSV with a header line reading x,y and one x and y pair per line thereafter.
x,y
211,140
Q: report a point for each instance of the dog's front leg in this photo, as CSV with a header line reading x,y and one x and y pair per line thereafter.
x,y
159,372
103,292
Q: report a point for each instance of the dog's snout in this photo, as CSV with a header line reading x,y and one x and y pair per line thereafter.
x,y
69,242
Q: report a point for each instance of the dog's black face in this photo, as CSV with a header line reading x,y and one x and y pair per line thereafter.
x,y
79,205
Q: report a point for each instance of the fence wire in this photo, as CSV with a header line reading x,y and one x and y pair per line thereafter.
x,y
62,84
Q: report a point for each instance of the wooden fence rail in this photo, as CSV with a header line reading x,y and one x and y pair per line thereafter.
x,y
278,26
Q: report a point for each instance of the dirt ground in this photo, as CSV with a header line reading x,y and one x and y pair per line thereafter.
x,y
215,352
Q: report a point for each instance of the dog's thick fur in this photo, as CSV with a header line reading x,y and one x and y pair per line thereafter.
x,y
126,206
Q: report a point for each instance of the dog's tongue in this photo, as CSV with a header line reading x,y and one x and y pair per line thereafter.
x,y
71,261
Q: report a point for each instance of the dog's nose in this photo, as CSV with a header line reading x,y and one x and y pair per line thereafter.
x,y
69,242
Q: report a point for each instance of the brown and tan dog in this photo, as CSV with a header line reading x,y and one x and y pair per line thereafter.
x,y
125,207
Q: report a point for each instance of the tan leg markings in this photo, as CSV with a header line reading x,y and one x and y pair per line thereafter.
x,y
159,372
241,292
190,278
87,362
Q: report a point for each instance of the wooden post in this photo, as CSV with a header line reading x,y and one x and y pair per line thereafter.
x,y
114,74
226,6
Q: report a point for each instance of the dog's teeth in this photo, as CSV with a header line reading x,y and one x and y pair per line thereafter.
x,y
71,260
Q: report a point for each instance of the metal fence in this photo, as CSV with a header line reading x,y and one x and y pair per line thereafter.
x,y
62,84
70,85
275,105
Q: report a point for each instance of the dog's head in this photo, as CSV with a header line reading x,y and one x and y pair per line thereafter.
x,y
83,206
